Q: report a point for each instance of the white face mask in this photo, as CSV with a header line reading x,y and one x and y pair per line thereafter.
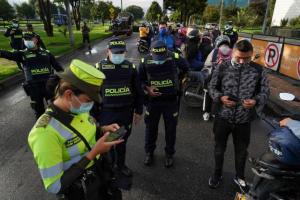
x,y
224,49
29,44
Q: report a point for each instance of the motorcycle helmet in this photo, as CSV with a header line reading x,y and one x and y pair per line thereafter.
x,y
182,31
222,39
285,146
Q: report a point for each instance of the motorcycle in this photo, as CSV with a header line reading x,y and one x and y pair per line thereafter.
x,y
273,180
143,46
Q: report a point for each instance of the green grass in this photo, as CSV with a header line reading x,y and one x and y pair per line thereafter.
x,y
8,71
254,30
57,45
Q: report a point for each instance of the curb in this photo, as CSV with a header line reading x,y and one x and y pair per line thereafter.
x,y
19,77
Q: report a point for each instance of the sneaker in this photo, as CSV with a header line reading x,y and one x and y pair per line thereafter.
x,y
206,116
214,181
169,162
241,183
148,159
126,171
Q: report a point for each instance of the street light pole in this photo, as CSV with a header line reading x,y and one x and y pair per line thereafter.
x,y
121,5
221,13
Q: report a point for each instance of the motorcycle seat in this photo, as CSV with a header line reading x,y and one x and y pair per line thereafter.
x,y
269,160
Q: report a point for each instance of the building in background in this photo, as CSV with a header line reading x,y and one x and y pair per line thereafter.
x,y
285,9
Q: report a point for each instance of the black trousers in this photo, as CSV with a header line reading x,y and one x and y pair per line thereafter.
x,y
38,94
122,118
241,139
152,117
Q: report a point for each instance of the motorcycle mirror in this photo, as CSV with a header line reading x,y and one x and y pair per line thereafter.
x,y
287,96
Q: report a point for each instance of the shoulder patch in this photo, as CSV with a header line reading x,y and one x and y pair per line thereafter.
x,y
43,121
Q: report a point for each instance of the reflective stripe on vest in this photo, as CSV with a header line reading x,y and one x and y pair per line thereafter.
x,y
55,187
73,150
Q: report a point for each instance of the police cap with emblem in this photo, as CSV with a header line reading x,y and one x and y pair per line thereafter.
x,y
84,77
159,50
29,35
117,45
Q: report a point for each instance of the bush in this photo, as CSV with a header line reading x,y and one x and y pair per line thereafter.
x,y
295,21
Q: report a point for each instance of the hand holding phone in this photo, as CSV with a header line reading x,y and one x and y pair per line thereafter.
x,y
118,134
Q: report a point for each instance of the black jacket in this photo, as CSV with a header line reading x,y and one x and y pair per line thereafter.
x,y
247,82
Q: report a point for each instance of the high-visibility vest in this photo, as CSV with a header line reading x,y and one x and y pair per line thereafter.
x,y
56,148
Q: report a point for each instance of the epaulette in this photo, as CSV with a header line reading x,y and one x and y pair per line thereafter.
x,y
43,121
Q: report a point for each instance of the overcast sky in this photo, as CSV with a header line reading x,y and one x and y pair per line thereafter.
x,y
142,3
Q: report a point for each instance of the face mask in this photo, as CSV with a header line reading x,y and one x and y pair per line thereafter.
x,y
159,62
225,50
117,58
163,31
15,25
84,107
29,44
235,63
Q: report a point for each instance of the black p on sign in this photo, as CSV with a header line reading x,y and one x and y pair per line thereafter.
x,y
272,55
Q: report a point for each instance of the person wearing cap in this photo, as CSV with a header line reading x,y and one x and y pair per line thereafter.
x,y
160,74
37,65
85,30
122,97
29,28
15,34
61,137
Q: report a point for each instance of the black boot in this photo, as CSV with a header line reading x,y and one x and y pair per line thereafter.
x,y
148,159
169,162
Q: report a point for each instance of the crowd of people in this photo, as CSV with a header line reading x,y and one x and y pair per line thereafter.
x,y
71,140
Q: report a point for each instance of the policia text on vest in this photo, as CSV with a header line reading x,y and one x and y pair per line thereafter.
x,y
37,66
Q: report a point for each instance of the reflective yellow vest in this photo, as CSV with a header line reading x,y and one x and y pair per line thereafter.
x,y
56,148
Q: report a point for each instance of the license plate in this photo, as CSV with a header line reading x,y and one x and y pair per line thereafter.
x,y
239,196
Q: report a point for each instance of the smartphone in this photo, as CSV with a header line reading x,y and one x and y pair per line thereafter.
x,y
233,98
118,134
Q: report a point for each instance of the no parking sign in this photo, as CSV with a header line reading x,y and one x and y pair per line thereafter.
x,y
272,55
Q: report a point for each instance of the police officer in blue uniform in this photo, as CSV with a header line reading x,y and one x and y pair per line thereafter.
x,y
161,73
37,65
122,97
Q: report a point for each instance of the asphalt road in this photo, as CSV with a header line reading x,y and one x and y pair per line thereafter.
x,y
187,180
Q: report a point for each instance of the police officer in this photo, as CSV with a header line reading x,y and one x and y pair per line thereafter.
x,y
15,34
40,41
160,74
231,33
61,138
122,96
38,65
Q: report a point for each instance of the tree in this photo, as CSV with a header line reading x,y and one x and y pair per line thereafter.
x,y
85,10
187,8
76,12
44,10
175,16
6,10
137,11
25,10
154,12
101,11
211,14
